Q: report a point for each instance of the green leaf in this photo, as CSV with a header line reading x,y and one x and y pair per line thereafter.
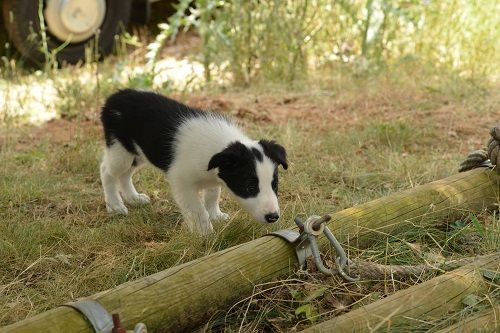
x,y
491,275
375,296
315,294
477,225
305,308
471,300
295,293
308,310
457,225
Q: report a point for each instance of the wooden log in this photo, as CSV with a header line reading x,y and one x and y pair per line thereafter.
x,y
183,297
451,197
485,321
407,308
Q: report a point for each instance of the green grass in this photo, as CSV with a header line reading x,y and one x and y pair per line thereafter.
x,y
368,138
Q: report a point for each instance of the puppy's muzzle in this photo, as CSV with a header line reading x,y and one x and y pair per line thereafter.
x,y
272,217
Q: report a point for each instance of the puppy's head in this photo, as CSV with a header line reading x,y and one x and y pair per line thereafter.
x,y
251,174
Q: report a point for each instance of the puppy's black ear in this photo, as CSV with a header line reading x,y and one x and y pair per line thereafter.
x,y
217,161
229,157
275,152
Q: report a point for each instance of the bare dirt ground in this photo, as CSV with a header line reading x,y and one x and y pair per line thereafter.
x,y
451,120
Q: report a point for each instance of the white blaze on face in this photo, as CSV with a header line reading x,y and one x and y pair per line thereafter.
x,y
266,202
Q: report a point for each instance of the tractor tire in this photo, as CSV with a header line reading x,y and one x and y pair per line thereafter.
x,y
22,22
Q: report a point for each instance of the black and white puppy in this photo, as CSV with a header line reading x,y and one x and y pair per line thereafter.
x,y
199,151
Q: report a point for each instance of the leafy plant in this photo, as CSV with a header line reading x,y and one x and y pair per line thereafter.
x,y
50,64
276,40
307,309
168,31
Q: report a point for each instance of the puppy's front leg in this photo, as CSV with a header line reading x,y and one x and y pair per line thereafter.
x,y
211,196
195,215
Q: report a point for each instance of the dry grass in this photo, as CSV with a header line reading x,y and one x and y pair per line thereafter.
x,y
349,141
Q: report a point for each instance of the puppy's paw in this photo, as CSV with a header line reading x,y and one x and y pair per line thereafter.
x,y
219,216
205,229
116,208
202,229
199,223
140,199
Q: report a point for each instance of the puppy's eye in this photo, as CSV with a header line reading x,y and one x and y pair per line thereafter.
x,y
252,186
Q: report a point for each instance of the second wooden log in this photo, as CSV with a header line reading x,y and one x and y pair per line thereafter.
x,y
407,308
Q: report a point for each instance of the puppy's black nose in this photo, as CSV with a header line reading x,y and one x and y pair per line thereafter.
x,y
272,217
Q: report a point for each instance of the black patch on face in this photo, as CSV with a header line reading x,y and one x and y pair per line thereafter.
x,y
275,152
236,165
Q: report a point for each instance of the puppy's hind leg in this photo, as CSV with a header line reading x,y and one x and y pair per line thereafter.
x,y
116,161
211,196
127,188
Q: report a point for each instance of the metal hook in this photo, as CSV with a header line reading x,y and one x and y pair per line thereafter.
x,y
313,227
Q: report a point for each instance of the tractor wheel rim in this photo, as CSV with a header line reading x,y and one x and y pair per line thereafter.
x,y
74,20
